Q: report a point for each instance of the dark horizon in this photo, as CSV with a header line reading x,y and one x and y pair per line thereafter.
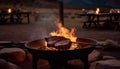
x,y
68,4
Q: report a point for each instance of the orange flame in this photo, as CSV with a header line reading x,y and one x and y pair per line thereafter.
x,y
62,31
97,11
9,10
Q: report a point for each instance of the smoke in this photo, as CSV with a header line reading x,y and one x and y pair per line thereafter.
x,y
45,24
39,34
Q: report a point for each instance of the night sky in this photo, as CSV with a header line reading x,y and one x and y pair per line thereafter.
x,y
86,3
94,3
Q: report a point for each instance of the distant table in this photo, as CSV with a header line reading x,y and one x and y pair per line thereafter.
x,y
97,18
14,17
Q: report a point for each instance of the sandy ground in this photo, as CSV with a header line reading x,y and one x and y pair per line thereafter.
x,y
33,31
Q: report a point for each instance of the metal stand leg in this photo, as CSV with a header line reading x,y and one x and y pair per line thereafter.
x,y
34,62
85,61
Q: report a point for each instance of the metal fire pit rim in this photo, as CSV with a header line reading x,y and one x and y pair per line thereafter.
x,y
26,44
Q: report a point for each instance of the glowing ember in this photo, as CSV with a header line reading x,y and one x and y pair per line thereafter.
x,y
62,31
97,11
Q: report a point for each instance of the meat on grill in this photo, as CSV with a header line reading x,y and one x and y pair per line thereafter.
x,y
58,42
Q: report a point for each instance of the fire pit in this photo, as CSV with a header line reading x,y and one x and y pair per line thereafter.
x,y
58,58
60,47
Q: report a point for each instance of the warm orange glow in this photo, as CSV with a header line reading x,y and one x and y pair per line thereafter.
x,y
118,11
62,31
9,10
97,11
